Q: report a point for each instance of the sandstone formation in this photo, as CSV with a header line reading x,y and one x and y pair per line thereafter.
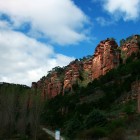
x,y
87,68
106,57
80,72
130,45
71,75
53,86
50,86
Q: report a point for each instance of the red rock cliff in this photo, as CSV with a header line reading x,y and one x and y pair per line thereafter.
x,y
87,67
130,45
53,86
71,75
50,86
106,57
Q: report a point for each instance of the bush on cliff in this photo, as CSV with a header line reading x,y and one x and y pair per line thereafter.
x,y
95,118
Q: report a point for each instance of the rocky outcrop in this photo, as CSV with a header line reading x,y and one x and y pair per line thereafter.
x,y
80,72
53,85
105,58
87,68
50,86
130,45
71,75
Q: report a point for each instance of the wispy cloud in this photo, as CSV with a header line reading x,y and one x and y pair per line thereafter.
x,y
125,9
61,21
104,22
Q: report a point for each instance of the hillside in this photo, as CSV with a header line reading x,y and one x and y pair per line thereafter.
x,y
93,97
108,104
107,55
107,107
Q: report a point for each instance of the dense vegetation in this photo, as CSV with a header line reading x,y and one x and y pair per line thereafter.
x,y
96,110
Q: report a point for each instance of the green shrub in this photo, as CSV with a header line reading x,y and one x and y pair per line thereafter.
x,y
93,133
95,118
72,126
130,109
116,124
117,134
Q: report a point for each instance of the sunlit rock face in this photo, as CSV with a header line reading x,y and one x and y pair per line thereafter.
x,y
49,86
53,85
105,58
129,46
71,75
87,68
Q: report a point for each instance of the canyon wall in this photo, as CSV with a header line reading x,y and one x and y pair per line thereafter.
x,y
129,46
105,58
107,55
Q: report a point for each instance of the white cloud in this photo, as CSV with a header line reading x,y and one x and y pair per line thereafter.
x,y
4,25
126,9
24,60
59,20
104,22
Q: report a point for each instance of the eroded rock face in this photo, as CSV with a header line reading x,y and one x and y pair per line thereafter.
x,y
49,86
105,58
87,68
71,75
131,45
53,85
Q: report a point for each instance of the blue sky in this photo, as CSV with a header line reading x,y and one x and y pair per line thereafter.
x,y
37,35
